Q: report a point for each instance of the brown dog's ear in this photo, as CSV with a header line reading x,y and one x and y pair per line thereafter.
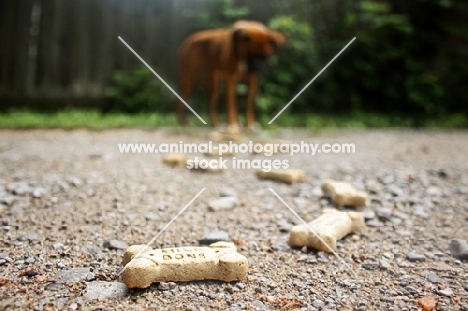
x,y
240,35
278,38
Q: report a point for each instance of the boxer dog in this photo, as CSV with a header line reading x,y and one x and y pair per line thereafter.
x,y
235,55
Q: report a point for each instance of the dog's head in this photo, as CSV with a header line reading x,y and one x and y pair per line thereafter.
x,y
254,43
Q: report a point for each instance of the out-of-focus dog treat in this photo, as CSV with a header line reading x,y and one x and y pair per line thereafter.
x,y
175,159
220,261
272,146
289,176
218,136
220,153
331,226
207,166
343,193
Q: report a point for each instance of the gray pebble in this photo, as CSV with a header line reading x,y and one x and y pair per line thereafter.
x,y
227,192
19,188
448,292
459,249
368,214
74,275
222,204
91,249
152,217
103,290
414,257
385,264
29,236
54,286
284,225
384,213
115,244
213,237
163,286
433,278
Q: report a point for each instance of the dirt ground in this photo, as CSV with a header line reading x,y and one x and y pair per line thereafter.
x,y
65,196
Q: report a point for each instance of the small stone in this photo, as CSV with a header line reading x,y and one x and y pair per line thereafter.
x,y
38,192
91,249
433,278
163,286
427,303
104,290
58,245
115,244
74,275
459,249
61,265
385,264
214,236
448,292
19,188
227,192
384,213
284,225
152,217
222,204
465,285
29,236
54,286
368,215
414,257
374,223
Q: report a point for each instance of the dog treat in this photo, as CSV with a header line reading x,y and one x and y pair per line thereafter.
x,y
206,166
279,143
218,136
220,261
343,193
220,153
175,159
288,176
331,226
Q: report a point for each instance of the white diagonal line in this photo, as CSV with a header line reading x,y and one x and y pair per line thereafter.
x,y
162,230
164,82
312,230
291,101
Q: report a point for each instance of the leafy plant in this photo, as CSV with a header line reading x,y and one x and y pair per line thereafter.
x,y
138,91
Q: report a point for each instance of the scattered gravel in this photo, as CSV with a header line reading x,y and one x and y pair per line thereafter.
x,y
64,193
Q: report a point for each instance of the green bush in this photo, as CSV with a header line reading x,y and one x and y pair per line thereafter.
x,y
139,91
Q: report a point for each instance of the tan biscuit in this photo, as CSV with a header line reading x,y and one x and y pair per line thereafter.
x,y
220,261
288,176
343,193
175,159
218,136
210,168
331,226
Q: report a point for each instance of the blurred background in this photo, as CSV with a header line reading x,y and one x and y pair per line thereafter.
x,y
408,66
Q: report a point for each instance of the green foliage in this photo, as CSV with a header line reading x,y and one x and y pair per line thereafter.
x,y
217,13
138,91
290,70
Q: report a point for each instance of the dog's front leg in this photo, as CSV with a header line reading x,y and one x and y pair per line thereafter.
x,y
212,85
252,83
231,103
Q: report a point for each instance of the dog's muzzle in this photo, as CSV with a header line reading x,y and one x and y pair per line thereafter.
x,y
256,63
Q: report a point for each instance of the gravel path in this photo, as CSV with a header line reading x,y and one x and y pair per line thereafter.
x,y
70,203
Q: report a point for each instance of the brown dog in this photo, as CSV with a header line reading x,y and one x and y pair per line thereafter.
x,y
235,55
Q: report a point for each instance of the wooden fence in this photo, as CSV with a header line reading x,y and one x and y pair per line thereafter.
x,y
67,50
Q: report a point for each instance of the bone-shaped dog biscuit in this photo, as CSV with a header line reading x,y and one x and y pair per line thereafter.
x,y
220,261
175,159
343,193
287,175
331,226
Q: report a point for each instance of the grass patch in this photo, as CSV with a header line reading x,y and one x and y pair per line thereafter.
x,y
97,120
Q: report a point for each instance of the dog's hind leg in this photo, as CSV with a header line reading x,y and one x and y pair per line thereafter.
x,y
252,83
